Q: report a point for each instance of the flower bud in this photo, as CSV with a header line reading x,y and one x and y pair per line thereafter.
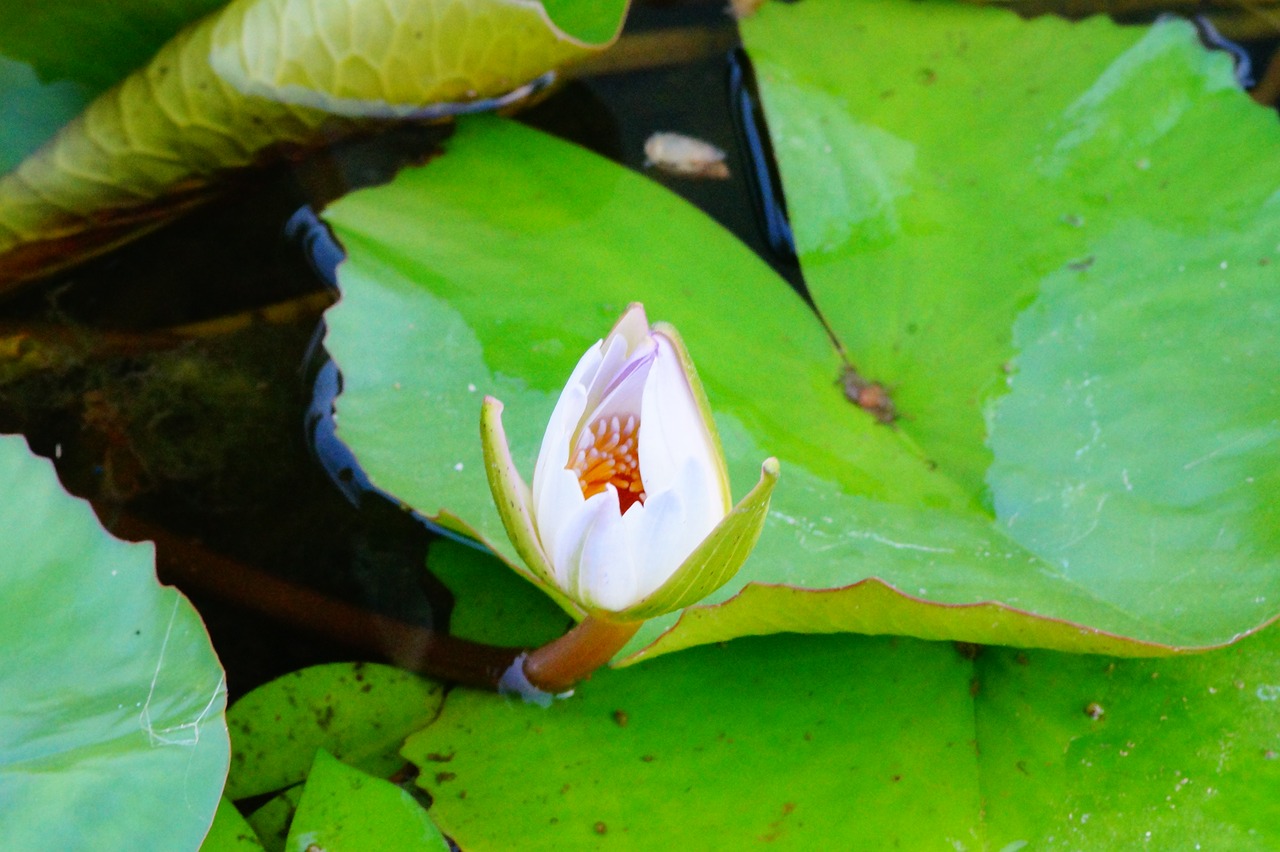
x,y
630,514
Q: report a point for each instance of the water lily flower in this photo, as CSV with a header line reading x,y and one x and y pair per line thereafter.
x,y
630,514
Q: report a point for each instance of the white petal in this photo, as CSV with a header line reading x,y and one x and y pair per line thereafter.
x,y
632,326
618,371
672,434
557,516
554,451
606,568
655,531
626,392
673,525
616,352
599,557
628,349
700,515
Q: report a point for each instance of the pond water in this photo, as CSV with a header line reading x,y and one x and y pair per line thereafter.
x,y
187,390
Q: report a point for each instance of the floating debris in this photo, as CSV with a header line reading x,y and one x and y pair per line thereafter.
x,y
870,396
739,9
685,156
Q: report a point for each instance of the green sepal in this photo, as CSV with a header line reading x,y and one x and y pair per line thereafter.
x,y
515,504
714,562
704,408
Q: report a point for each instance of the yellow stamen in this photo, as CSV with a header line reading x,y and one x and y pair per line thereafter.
x,y
607,455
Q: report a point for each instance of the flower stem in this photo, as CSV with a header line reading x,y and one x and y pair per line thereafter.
x,y
558,665
410,646
553,668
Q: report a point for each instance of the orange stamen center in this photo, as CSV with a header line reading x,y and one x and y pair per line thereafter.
x,y
608,452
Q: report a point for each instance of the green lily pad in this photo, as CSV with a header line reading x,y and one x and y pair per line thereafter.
x,y
786,740
491,603
360,712
230,832
1036,260
501,296
262,76
1094,753
973,517
33,110
343,809
271,821
111,719
872,743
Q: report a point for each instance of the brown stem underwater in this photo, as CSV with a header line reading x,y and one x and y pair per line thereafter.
x,y
410,646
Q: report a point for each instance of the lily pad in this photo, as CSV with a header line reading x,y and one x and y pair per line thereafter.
x,y
1088,752
360,712
33,110
111,719
785,740
230,832
500,296
972,517
872,743
492,604
54,58
343,809
262,76
1036,291
271,821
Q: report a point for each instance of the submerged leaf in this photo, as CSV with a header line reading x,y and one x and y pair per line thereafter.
x,y
258,77
492,604
111,715
271,821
